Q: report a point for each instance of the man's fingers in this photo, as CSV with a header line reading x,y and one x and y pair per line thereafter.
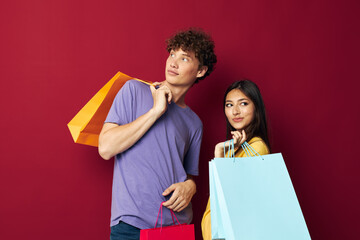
x,y
152,89
169,96
181,197
180,209
170,203
156,85
169,190
168,93
178,206
175,203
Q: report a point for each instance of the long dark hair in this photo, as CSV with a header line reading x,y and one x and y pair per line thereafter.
x,y
258,127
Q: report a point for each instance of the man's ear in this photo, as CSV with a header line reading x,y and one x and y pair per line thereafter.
x,y
202,71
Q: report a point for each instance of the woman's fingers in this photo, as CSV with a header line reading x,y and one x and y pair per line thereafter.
x,y
239,137
236,136
243,139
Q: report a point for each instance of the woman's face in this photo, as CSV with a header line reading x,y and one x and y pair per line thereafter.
x,y
239,109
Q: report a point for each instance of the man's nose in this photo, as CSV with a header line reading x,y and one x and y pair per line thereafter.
x,y
174,63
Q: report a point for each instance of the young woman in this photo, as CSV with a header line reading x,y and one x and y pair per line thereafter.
x,y
245,121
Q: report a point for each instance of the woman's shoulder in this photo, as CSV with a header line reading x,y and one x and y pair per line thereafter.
x,y
256,140
259,145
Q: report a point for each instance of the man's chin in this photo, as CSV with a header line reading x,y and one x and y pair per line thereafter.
x,y
172,79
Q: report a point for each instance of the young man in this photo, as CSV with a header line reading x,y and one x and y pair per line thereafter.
x,y
156,140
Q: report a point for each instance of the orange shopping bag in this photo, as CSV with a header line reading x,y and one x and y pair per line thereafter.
x,y
85,127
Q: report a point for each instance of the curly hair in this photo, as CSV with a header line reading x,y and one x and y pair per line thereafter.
x,y
197,41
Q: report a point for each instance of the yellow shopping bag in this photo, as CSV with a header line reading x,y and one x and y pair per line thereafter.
x,y
85,127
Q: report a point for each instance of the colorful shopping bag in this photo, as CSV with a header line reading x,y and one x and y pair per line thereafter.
x,y
85,127
175,232
253,198
217,228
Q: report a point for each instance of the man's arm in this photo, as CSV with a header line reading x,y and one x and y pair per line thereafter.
x,y
115,139
182,194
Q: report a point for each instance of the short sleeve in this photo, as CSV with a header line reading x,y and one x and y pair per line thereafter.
x,y
191,160
121,108
260,147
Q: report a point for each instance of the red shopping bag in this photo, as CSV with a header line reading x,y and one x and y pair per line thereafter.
x,y
175,232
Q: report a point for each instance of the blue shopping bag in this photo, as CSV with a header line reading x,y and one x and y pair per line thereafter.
x,y
253,198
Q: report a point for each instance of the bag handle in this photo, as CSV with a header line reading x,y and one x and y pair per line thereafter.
x,y
231,149
248,149
172,216
146,82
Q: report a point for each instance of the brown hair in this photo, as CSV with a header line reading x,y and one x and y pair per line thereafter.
x,y
197,41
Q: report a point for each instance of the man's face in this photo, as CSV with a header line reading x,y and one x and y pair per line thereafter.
x,y
182,68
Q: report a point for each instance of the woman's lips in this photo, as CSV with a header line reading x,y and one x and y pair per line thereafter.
x,y
237,119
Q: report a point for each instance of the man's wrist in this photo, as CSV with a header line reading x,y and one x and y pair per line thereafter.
x,y
154,114
191,181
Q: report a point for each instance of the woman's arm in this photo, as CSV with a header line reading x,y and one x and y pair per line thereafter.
x,y
206,223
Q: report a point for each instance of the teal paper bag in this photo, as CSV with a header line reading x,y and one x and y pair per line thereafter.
x,y
217,229
253,198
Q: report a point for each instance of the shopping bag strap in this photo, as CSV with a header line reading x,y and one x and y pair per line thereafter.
x,y
231,149
249,150
160,213
146,82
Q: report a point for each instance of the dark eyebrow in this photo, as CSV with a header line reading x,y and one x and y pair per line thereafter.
x,y
238,100
186,55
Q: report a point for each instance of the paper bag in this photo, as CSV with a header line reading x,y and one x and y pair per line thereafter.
x,y
253,198
175,232
85,127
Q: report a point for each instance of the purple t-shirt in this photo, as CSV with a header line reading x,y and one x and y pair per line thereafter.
x,y
166,153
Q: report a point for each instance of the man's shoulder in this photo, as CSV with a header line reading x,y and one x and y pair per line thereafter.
x,y
133,83
194,119
195,116
133,87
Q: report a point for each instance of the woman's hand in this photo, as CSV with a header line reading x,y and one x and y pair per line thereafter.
x,y
239,138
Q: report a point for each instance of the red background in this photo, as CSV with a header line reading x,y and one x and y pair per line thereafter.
x,y
55,55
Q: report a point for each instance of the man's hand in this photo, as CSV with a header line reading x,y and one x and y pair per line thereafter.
x,y
182,195
115,139
162,97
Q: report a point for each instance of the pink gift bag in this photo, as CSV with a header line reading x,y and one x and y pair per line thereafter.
x,y
175,232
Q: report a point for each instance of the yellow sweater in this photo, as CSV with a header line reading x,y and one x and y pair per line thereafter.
x,y
259,145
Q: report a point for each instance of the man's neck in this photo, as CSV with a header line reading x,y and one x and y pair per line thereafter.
x,y
178,93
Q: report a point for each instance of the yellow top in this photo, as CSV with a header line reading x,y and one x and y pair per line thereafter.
x,y
259,145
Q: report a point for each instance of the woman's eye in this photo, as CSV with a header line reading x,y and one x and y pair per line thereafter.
x,y
172,55
228,105
185,59
244,104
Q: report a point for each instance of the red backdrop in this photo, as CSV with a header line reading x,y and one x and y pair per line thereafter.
x,y
55,55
